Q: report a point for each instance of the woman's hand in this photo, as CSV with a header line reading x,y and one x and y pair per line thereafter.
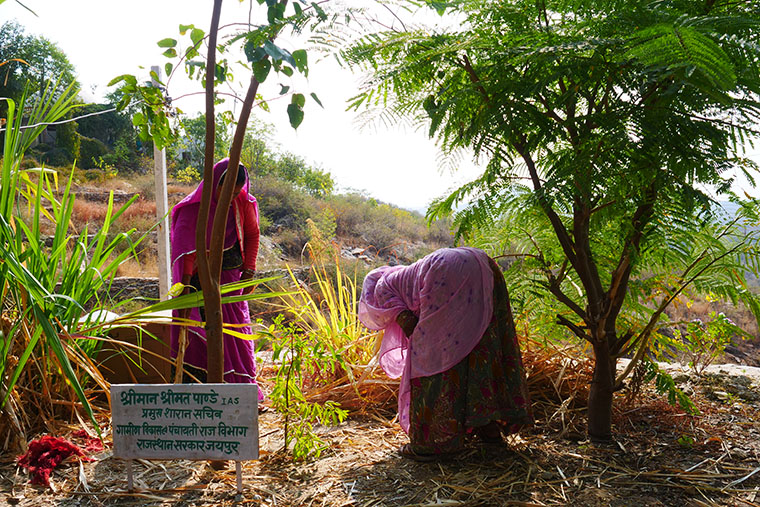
x,y
247,275
408,321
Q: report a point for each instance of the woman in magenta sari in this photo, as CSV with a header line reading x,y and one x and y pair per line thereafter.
x,y
241,245
449,335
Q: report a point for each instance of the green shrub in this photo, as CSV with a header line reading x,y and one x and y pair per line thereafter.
x,y
90,152
55,157
292,241
188,175
68,140
29,163
439,233
124,154
283,205
264,223
93,175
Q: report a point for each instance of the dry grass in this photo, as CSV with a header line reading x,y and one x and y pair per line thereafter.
x,y
141,214
145,267
87,213
645,465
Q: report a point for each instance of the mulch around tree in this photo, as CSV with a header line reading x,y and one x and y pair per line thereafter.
x,y
660,456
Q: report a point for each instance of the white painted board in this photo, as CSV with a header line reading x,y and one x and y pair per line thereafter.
x,y
185,421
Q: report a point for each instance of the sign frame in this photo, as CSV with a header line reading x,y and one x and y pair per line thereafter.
x,y
185,421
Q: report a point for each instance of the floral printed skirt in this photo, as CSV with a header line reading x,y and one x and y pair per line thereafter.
x,y
487,386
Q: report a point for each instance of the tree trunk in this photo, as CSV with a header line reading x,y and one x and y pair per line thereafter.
x,y
209,276
209,268
214,337
600,393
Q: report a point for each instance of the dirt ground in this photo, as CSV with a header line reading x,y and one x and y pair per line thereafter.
x,y
660,456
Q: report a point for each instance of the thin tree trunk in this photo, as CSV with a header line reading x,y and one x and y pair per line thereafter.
x,y
210,280
600,393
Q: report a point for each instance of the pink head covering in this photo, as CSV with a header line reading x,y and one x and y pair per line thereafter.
x,y
450,291
184,218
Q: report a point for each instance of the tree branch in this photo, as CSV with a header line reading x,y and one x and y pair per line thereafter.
x,y
622,272
467,65
554,282
584,264
643,337
577,330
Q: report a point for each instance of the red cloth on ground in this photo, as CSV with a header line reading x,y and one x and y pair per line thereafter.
x,y
46,453
91,444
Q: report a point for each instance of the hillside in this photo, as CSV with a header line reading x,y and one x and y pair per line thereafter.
x,y
364,229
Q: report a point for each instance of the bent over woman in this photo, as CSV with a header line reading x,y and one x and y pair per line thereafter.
x,y
241,246
450,336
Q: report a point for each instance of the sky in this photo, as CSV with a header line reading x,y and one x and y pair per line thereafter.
x,y
106,38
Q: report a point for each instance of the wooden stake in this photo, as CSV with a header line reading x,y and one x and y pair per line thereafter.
x,y
179,364
130,478
162,209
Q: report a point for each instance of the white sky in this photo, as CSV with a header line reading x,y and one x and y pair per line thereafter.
x,y
106,38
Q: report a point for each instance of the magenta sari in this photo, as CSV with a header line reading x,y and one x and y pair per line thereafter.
x,y
239,358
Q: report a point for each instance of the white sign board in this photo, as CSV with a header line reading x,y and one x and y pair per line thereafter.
x,y
185,421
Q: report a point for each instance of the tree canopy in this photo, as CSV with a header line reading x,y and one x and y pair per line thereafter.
x,y
604,124
33,59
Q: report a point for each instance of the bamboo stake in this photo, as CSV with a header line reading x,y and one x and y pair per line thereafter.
x,y
179,365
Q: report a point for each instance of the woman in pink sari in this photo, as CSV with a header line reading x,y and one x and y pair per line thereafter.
x,y
241,245
449,335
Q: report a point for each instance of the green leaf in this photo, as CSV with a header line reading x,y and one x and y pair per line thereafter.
x,y
138,119
295,114
220,72
124,102
316,99
261,70
168,68
167,43
284,89
170,53
298,99
278,54
300,59
154,76
197,36
320,11
671,47
127,78
276,11
288,71
253,52
184,28
440,7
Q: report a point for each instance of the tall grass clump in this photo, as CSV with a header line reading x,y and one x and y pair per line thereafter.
x,y
45,359
324,356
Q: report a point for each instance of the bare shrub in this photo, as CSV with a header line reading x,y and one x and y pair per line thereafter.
x,y
88,212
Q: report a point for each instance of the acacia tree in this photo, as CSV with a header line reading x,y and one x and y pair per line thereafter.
x,y
603,123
